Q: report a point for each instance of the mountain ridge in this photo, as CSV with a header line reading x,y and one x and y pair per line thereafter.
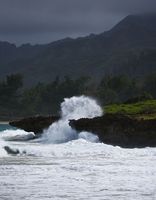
x,y
127,48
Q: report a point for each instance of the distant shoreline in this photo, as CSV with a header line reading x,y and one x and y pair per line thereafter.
x,y
4,122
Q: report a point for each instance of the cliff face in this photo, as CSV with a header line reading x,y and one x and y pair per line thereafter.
x,y
35,124
120,130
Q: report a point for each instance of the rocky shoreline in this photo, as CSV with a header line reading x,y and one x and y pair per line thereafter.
x,y
120,130
114,129
34,124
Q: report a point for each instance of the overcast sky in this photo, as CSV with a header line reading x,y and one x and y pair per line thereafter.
x,y
43,21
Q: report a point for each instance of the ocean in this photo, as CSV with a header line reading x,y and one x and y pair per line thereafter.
x,y
6,127
64,164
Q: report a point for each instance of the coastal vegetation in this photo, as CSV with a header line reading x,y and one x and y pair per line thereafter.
x,y
117,94
143,109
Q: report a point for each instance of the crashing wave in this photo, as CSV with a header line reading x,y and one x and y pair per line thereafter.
x,y
17,135
60,131
72,108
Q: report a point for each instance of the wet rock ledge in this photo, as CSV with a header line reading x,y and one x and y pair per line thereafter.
x,y
35,124
114,129
120,130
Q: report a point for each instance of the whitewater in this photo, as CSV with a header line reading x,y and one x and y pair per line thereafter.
x,y
65,164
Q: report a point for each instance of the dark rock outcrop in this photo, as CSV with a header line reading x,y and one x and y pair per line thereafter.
x,y
120,130
35,124
11,151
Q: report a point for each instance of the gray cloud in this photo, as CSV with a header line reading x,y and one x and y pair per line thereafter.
x,y
42,21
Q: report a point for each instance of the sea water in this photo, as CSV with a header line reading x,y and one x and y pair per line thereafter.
x,y
77,168
6,126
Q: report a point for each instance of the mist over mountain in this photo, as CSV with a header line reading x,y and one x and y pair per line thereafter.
x,y
128,48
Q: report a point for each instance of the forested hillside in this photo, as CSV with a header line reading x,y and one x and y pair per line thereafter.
x,y
45,99
128,48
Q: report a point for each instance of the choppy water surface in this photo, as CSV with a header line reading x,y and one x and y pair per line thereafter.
x,y
64,164
78,170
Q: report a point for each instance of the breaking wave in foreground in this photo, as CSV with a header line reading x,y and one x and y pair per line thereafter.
x,y
72,108
64,164
60,131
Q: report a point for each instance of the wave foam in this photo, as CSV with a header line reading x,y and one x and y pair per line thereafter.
x,y
72,108
58,132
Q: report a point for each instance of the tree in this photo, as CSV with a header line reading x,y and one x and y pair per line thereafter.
x,y
150,85
14,82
